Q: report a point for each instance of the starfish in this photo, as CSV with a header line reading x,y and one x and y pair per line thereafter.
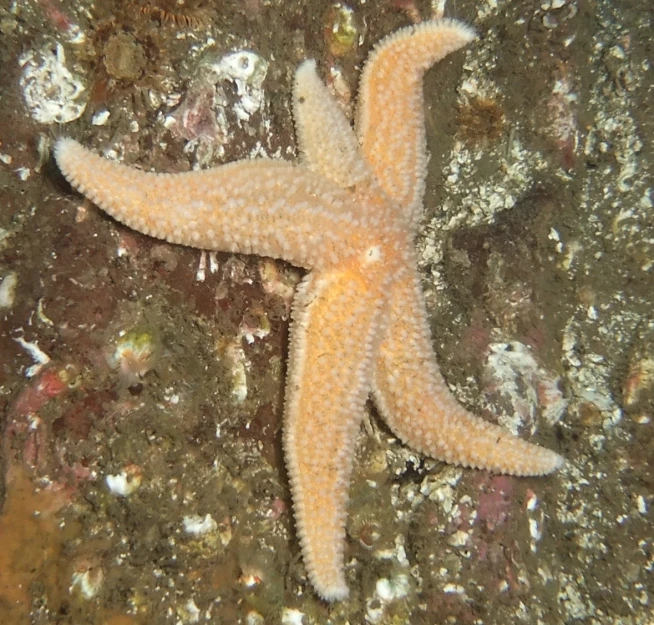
x,y
348,212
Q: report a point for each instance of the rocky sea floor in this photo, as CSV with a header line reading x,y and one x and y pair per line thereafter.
x,y
141,384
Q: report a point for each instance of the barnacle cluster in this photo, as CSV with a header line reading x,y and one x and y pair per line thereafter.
x,y
167,13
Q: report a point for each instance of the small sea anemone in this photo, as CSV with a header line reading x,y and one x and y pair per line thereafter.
x,y
481,120
134,355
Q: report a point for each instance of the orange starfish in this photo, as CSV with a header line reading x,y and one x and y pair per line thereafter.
x,y
348,213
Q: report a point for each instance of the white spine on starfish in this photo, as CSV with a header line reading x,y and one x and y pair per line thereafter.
x,y
390,109
334,332
414,400
270,208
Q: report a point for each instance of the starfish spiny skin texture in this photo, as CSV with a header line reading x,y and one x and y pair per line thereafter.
x,y
348,212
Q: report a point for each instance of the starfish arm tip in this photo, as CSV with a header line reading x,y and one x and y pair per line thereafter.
x,y
63,148
333,592
533,460
541,460
465,31
558,462
308,65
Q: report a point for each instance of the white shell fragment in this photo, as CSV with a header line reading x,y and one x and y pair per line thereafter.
x,y
8,290
51,92
38,356
291,616
101,117
125,483
188,613
247,71
527,385
198,525
88,582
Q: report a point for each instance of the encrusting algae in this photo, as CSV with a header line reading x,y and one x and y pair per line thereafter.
x,y
31,547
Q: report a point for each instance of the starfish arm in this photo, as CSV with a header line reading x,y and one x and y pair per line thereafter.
x,y
390,112
329,147
417,405
335,319
325,137
265,207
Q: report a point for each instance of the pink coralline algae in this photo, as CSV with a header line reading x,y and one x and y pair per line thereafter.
x,y
495,501
32,398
